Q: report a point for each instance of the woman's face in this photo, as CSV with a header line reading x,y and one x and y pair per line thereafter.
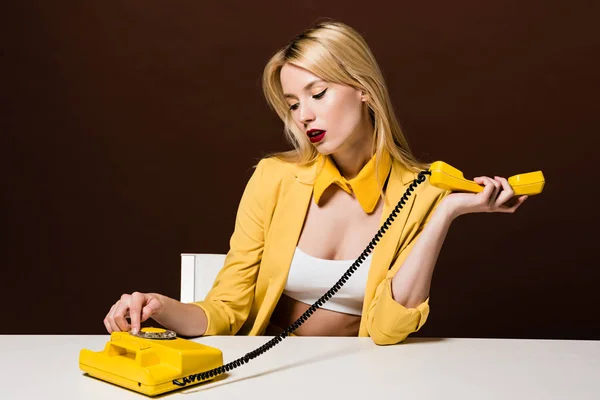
x,y
333,117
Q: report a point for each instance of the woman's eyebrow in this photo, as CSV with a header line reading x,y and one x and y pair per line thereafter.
x,y
310,84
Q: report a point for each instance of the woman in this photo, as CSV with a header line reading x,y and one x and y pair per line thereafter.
x,y
307,214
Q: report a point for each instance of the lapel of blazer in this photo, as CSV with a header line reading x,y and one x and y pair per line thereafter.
x,y
287,222
385,250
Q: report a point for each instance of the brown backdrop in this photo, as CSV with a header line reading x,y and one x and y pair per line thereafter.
x,y
129,130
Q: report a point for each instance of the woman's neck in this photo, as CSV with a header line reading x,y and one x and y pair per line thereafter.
x,y
349,163
350,159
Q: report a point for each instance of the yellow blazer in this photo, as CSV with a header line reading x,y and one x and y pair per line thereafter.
x,y
267,228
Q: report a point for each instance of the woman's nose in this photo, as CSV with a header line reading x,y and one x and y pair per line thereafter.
x,y
306,114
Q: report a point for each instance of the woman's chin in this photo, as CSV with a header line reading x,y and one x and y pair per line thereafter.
x,y
325,149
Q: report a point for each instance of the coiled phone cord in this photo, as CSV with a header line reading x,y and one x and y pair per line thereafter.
x,y
317,304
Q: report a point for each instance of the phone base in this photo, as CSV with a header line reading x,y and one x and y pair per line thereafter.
x,y
149,366
148,390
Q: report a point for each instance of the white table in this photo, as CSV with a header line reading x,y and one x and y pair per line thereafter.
x,y
312,368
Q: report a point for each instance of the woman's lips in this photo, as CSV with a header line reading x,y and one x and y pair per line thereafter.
x,y
316,136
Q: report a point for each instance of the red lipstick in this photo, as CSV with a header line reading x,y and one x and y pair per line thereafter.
x,y
315,135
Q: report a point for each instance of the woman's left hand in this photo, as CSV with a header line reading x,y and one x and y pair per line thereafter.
x,y
496,196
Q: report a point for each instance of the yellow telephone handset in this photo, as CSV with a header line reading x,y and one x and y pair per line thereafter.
x,y
149,362
447,177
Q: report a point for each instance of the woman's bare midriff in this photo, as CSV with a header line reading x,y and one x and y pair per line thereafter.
x,y
337,230
321,323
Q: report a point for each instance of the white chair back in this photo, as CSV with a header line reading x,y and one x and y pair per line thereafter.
x,y
198,273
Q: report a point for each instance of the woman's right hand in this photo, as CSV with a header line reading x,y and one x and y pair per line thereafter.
x,y
137,306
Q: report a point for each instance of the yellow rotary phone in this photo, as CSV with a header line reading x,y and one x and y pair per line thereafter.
x,y
155,361
149,361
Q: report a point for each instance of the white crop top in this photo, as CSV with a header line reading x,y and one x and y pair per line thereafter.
x,y
311,277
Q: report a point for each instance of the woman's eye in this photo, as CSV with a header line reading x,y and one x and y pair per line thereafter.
x,y
319,95
316,96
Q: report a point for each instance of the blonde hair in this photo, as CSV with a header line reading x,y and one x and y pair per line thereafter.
x,y
337,53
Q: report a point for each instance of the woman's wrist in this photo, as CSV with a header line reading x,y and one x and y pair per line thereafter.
x,y
447,211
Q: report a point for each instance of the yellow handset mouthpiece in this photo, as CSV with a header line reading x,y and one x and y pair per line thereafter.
x,y
447,177
150,361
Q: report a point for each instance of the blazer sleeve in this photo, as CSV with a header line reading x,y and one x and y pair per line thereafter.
x,y
228,303
389,322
